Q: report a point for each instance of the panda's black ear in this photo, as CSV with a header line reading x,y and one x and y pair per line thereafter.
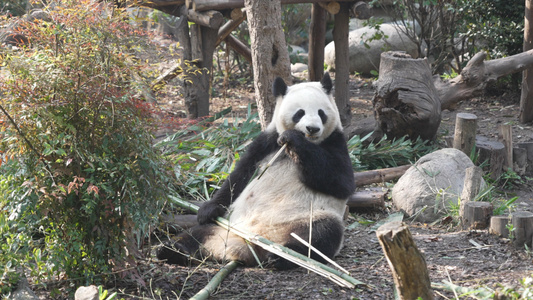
x,y
279,88
326,83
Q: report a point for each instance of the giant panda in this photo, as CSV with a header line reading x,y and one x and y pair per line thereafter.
x,y
313,175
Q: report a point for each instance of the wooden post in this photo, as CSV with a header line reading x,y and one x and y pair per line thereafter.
x,y
526,99
342,62
317,42
407,263
498,226
520,160
465,132
493,152
522,228
471,186
506,135
528,146
476,215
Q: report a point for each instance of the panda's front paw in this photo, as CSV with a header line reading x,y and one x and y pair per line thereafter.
x,y
208,212
290,137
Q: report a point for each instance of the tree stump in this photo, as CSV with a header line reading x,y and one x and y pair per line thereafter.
x,y
493,152
471,187
520,160
407,263
476,215
522,228
506,136
498,225
465,132
405,101
529,154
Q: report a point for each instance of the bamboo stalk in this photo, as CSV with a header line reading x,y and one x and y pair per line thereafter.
x,y
336,276
215,282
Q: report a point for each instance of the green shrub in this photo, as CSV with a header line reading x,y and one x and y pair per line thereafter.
x,y
83,177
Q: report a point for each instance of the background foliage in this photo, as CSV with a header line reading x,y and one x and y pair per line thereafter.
x,y
82,178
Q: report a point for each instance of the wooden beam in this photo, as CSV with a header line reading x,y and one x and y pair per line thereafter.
x,y
227,28
239,47
331,7
211,18
317,42
361,10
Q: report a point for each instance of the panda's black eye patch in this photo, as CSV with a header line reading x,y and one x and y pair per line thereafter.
x,y
323,116
298,115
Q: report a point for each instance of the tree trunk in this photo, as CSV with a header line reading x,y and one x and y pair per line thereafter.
x,y
408,99
342,71
526,99
406,102
269,52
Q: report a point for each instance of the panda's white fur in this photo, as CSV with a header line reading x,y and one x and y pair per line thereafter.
x,y
310,181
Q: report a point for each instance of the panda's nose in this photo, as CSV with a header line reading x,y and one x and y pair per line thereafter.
x,y
312,129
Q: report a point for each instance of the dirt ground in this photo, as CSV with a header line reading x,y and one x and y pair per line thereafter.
x,y
452,255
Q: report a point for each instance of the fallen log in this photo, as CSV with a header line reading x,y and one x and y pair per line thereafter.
x,y
379,176
368,199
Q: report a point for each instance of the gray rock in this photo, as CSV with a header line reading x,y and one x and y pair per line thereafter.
x,y
432,185
86,293
362,59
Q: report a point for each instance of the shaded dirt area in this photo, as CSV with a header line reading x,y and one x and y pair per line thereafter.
x,y
465,258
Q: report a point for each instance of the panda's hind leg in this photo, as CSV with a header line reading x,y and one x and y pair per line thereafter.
x,y
185,249
328,235
206,241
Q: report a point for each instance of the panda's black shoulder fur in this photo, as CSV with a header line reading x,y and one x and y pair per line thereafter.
x,y
326,167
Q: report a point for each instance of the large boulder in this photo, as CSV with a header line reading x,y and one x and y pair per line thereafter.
x,y
362,59
432,185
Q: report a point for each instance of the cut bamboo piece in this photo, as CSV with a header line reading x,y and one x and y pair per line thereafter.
x,y
407,263
215,282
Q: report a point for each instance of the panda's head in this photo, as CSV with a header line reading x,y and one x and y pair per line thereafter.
x,y
308,107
